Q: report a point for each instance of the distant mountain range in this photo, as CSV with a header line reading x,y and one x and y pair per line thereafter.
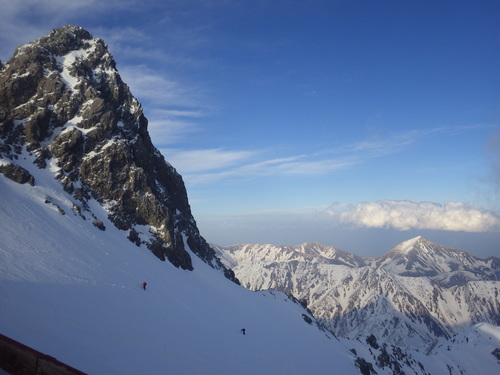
x,y
412,296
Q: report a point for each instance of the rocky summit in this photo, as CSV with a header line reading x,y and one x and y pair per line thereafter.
x,y
63,103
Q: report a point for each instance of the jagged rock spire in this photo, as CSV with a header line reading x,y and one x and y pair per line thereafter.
x,y
62,99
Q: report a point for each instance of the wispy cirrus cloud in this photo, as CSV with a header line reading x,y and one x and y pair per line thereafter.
x,y
300,165
169,130
205,160
243,169
27,20
318,163
407,215
171,107
381,145
158,90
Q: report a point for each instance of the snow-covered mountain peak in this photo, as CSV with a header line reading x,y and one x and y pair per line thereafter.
x,y
409,245
448,266
417,292
417,246
311,252
64,103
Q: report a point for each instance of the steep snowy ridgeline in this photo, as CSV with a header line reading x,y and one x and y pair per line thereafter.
x,y
350,302
64,101
447,290
73,291
457,306
310,252
475,350
420,257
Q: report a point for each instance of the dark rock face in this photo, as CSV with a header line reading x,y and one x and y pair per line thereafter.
x,y
17,174
62,99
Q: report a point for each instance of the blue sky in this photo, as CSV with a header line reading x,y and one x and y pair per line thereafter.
x,y
357,124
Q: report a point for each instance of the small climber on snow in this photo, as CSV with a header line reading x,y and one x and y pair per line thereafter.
x,y
243,330
144,285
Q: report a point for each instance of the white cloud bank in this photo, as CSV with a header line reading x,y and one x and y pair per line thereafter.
x,y
406,215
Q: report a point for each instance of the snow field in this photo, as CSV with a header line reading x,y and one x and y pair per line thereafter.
x,y
73,292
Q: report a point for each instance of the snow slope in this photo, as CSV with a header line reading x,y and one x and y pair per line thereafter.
x,y
475,350
73,291
410,297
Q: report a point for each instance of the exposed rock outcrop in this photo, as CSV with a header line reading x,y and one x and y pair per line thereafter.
x,y
63,100
17,174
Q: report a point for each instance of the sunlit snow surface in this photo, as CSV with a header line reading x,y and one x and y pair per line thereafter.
x,y
73,291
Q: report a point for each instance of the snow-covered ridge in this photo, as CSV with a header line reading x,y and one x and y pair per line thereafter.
x,y
407,246
62,278
310,251
420,257
76,115
73,291
411,296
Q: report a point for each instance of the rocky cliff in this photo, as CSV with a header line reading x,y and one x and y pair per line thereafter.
x,y
63,102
